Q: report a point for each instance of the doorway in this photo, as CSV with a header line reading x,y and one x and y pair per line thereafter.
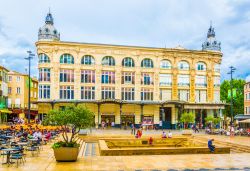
x,y
166,117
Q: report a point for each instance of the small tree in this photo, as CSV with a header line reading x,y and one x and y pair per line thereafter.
x,y
187,118
211,119
72,118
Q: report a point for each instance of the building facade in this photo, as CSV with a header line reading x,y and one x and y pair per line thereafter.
x,y
247,98
3,94
124,84
18,90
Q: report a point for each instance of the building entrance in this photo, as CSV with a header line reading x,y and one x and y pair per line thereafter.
x,y
108,119
166,117
127,120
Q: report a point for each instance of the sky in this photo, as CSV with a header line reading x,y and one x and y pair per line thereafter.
x,y
153,23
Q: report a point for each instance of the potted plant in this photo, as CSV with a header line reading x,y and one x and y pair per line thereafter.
x,y
187,118
70,120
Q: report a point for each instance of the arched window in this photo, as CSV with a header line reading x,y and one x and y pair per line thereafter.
x,y
201,66
128,62
147,63
66,59
108,60
183,65
43,58
165,64
88,60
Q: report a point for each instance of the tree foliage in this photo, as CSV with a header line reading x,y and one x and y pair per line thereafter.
x,y
72,118
187,118
212,119
238,101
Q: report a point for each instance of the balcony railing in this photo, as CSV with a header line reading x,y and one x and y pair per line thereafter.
x,y
183,84
165,84
201,85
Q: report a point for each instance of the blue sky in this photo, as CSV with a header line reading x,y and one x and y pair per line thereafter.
x,y
157,23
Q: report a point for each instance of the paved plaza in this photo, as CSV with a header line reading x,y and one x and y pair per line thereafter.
x,y
89,158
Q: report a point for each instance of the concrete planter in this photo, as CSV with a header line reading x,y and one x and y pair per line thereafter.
x,y
66,153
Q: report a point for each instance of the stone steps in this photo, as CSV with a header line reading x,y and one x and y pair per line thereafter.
x,y
234,147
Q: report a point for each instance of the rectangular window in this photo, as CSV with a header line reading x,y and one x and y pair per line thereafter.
x,y
88,93
18,78
201,96
217,81
10,78
9,90
67,92
217,96
66,75
31,93
165,79
108,77
128,94
183,95
200,81
108,93
183,80
87,76
147,94
128,78
18,90
44,74
147,79
165,94
44,92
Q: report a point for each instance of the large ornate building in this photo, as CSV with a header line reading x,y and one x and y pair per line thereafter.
x,y
124,84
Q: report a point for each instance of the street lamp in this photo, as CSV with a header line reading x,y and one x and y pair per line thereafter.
x,y
30,56
232,69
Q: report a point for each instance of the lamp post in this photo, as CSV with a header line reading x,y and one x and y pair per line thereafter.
x,y
232,69
30,56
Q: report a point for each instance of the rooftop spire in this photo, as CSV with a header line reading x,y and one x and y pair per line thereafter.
x,y
211,43
48,31
49,19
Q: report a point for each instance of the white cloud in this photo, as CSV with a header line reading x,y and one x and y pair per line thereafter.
x,y
143,22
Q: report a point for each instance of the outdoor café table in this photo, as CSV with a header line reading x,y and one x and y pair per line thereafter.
x,y
8,152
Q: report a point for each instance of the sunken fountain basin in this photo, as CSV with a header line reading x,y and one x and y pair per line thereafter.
x,y
168,146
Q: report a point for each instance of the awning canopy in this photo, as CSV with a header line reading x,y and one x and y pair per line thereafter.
x,y
241,117
5,111
245,121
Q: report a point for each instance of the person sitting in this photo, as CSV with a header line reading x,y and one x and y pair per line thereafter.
x,y
164,135
170,134
47,137
210,145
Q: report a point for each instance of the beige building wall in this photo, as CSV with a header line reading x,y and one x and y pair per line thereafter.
x,y
20,100
54,49
247,98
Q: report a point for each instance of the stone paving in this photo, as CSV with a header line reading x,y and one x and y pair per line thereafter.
x,y
200,162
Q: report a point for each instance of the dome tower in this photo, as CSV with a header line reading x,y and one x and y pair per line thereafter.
x,y
211,43
48,32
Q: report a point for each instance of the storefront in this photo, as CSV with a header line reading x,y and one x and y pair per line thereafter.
x,y
108,118
148,121
127,119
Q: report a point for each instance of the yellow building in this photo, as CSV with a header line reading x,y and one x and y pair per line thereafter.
x,y
18,93
125,84
3,94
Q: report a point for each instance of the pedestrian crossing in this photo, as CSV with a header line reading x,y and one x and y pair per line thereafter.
x,y
91,149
